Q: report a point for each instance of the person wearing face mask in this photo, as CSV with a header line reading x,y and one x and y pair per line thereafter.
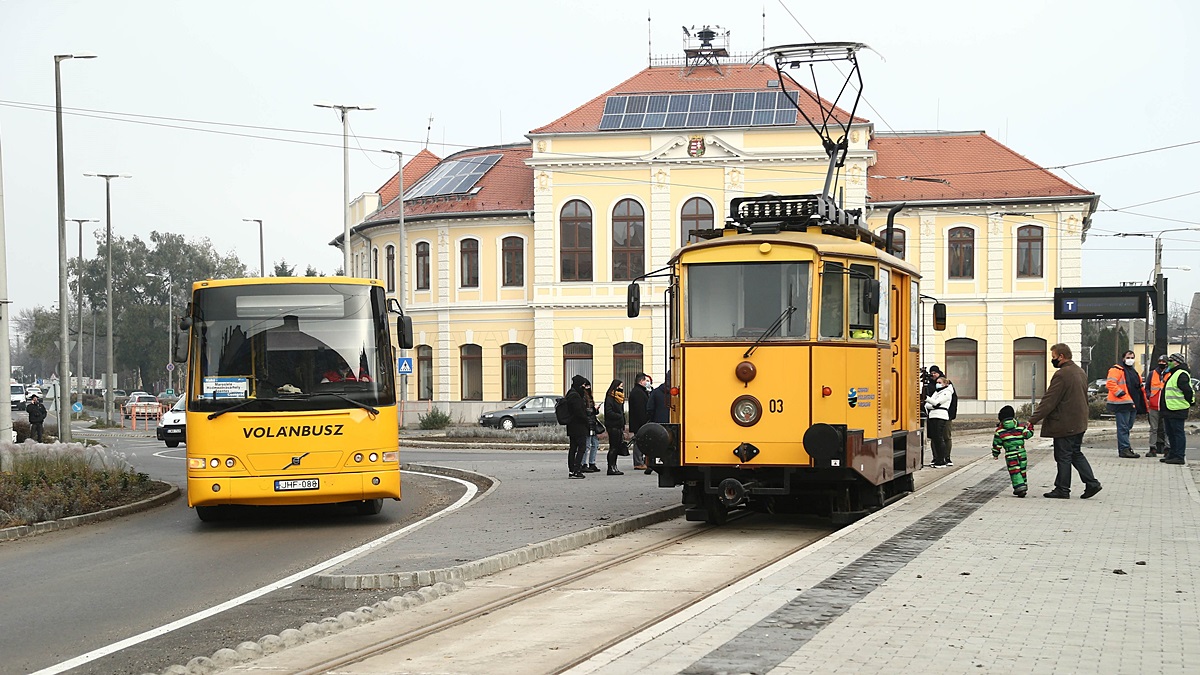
x,y
1064,408
1126,400
638,396
938,407
1155,381
1177,398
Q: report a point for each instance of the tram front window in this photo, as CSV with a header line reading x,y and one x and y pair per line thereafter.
x,y
741,301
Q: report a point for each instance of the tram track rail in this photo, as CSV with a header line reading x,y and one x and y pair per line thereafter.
x,y
462,618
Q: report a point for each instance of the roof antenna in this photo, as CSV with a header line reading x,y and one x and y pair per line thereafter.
x,y
649,41
427,130
764,17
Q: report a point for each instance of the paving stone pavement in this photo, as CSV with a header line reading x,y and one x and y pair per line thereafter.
x,y
1105,585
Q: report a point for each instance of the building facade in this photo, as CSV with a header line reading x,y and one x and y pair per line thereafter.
x,y
517,258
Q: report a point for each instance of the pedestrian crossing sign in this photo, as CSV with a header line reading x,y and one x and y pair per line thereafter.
x,y
404,365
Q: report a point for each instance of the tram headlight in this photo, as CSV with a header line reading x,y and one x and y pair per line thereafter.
x,y
746,410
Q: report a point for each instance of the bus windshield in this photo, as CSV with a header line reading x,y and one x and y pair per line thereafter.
x,y
741,301
275,347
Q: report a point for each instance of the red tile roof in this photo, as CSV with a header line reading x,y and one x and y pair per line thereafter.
x,y
666,80
414,169
976,166
507,186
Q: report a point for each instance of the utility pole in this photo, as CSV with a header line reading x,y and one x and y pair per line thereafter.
x,y
400,263
110,376
343,111
79,301
5,305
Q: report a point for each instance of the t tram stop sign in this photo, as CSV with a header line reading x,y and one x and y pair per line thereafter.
x,y
1103,302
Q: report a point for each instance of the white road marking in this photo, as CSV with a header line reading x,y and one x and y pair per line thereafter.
x,y
282,583
164,453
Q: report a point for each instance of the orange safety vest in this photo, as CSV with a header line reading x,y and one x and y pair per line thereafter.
x,y
1116,384
1154,390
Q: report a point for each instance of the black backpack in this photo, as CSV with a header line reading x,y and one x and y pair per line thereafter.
x,y
561,412
953,411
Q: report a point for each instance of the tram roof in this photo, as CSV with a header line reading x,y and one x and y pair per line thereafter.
x,y
823,244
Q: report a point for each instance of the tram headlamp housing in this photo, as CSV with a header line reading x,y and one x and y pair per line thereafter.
x,y
746,410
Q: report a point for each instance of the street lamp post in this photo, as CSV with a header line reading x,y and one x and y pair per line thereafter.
x,y
79,301
110,377
1160,286
343,111
64,349
5,356
262,266
170,294
400,258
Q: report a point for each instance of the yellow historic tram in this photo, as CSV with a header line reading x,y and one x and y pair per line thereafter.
x,y
794,365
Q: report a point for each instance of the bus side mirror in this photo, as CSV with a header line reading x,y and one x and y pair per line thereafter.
x,y
633,300
870,296
180,355
939,316
404,332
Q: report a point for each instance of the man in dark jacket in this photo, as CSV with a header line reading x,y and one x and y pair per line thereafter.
x,y
638,396
1177,398
1064,407
658,407
37,415
578,424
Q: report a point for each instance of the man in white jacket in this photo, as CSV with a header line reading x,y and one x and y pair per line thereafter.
x,y
938,407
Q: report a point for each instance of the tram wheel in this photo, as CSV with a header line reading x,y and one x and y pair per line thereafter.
x,y
717,512
369,507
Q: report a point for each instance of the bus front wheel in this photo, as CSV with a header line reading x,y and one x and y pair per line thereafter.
x,y
211,514
369,507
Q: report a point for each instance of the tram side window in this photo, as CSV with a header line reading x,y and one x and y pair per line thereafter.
x,y
862,322
833,301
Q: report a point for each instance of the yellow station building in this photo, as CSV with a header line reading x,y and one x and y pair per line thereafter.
x,y
517,257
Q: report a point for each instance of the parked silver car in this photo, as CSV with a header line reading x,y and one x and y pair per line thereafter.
x,y
530,411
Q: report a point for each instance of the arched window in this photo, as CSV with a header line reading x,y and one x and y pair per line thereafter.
x,y
1029,367
391,268
628,240
1029,251
469,262
961,255
627,362
697,214
962,366
471,372
423,266
512,252
374,263
575,241
424,371
577,360
514,364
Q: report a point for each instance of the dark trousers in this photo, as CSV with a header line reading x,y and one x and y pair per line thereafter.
x,y
1068,453
1176,437
35,431
575,453
937,440
616,441
948,435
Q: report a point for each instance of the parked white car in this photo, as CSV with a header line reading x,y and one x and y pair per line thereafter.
x,y
16,397
172,428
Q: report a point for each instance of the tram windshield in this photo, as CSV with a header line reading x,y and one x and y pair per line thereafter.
x,y
290,347
741,301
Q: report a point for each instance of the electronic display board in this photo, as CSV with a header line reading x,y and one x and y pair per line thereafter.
x,y
1102,302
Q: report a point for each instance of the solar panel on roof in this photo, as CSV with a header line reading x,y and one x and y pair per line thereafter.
x,y
723,109
454,177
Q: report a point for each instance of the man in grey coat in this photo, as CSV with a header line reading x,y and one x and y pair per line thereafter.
x,y
1064,408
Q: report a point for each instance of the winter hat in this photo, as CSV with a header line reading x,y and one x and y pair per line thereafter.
x,y
1177,358
578,381
935,369
1007,413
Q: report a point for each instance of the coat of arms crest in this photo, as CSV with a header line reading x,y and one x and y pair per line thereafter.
x,y
696,146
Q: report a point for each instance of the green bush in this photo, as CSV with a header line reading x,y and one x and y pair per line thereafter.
x,y
42,482
436,419
1097,408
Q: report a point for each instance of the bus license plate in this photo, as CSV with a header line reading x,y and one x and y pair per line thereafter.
x,y
302,484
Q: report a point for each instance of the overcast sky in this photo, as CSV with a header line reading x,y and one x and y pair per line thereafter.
x,y
1060,82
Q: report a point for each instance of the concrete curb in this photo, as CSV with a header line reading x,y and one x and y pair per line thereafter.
x,y
487,445
12,533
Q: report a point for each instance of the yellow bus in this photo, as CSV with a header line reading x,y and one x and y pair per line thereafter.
x,y
794,366
291,396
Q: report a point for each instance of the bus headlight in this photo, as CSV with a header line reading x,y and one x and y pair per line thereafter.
x,y
229,462
358,457
393,456
373,457
746,410
214,463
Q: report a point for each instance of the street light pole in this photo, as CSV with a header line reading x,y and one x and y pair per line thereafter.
x,y
170,294
110,376
64,349
79,300
403,269
343,111
1160,287
5,305
262,266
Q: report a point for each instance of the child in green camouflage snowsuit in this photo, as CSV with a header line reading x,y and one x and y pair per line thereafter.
x,y
1010,437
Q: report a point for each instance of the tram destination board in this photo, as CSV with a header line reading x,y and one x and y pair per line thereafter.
x,y
1102,302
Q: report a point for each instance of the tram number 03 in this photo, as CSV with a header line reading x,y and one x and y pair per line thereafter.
x,y
775,405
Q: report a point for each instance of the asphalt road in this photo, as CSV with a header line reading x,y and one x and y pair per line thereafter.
x,y
70,592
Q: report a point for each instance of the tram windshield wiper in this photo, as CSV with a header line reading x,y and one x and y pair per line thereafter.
x,y
787,313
